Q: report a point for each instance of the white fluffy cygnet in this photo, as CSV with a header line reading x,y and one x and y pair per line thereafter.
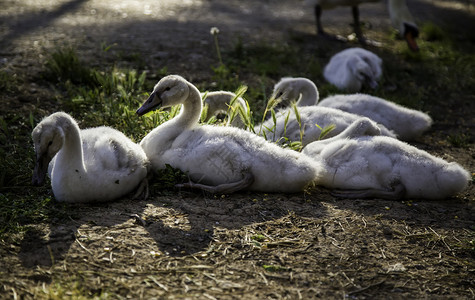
x,y
225,102
218,159
352,68
383,167
408,124
89,165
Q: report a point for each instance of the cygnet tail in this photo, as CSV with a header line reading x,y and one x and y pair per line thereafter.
x,y
452,179
314,169
386,132
419,124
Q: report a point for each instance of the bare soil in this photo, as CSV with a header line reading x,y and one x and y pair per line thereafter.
x,y
185,245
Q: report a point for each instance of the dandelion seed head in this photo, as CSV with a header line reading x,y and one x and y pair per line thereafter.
x,y
214,30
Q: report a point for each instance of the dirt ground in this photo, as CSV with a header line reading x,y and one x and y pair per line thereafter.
x,y
183,245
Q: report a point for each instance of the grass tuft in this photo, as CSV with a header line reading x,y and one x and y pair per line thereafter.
x,y
459,140
431,32
8,82
64,65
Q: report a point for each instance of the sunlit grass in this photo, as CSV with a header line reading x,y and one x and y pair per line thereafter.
x,y
72,288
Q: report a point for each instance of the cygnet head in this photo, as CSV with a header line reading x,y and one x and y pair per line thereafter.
x,y
289,89
365,73
218,101
169,91
225,102
362,127
48,138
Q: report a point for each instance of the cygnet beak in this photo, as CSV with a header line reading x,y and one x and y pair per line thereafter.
x,y
41,167
152,103
372,83
369,81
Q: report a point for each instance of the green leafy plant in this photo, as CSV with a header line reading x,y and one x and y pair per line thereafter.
x,y
274,268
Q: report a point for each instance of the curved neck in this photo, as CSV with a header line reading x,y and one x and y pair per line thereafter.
x,y
71,153
162,137
309,93
190,112
188,117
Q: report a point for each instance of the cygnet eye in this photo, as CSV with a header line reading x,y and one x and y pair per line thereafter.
x,y
167,88
363,75
50,143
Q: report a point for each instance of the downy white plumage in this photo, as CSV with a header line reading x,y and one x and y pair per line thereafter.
x,y
408,124
95,164
383,167
286,125
218,159
305,93
352,68
222,102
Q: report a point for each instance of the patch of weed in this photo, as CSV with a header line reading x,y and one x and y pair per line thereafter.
x,y
258,237
64,65
459,140
8,82
135,58
274,268
264,59
432,32
102,97
71,288
19,211
16,154
167,178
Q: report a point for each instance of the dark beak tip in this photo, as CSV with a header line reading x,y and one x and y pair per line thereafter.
x,y
37,181
142,110
147,106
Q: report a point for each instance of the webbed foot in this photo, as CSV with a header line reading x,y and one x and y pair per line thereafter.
x,y
397,191
225,188
142,189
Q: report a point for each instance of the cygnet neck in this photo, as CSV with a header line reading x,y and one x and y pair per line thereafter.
x,y
309,93
190,112
71,152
